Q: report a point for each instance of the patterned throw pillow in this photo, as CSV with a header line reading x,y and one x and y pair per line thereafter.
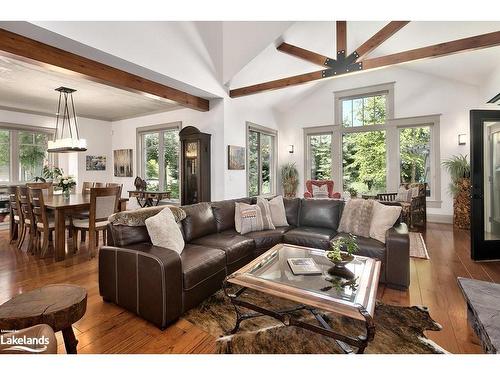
x,y
252,218
320,191
415,191
404,195
357,217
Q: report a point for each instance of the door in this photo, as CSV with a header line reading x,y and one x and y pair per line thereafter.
x,y
485,173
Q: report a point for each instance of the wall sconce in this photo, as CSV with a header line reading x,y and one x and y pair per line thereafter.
x,y
462,139
290,149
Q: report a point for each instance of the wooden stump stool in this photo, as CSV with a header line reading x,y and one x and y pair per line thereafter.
x,y
58,305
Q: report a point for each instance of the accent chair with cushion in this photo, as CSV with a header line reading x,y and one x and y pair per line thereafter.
x,y
314,189
160,284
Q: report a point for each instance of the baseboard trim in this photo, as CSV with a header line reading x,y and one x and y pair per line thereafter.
x,y
438,218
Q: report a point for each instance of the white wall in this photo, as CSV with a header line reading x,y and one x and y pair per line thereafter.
x,y
416,94
96,132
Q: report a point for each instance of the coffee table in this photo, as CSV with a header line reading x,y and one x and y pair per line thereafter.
x,y
58,305
350,291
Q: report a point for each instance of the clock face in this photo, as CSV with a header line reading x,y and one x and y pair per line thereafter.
x,y
191,150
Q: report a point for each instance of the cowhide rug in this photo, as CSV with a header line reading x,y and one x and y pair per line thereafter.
x,y
398,329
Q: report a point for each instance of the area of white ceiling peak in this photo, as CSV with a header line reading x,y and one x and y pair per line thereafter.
x,y
469,67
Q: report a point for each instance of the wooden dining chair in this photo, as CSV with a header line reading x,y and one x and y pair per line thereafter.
x,y
103,203
86,187
99,184
28,220
44,224
46,187
16,227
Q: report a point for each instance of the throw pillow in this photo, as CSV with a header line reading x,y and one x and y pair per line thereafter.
x,y
164,231
277,209
404,195
383,219
357,217
415,191
251,218
320,191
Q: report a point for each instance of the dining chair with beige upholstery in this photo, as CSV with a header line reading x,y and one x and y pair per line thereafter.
x,y
45,224
86,187
16,229
99,184
103,203
27,219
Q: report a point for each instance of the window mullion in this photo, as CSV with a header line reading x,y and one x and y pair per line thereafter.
x,y
14,155
161,160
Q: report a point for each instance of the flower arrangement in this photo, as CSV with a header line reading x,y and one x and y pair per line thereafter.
x,y
65,183
342,250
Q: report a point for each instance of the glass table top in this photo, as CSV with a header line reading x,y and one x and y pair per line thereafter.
x,y
338,283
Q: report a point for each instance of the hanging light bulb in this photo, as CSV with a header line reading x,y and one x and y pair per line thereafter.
x,y
66,137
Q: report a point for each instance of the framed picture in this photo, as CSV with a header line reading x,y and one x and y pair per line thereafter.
x,y
95,162
235,157
123,162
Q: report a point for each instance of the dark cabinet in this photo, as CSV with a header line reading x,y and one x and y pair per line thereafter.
x,y
195,161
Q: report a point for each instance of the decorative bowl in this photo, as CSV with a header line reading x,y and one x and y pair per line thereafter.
x,y
346,258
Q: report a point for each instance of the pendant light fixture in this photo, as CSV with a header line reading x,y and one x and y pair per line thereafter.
x,y
66,137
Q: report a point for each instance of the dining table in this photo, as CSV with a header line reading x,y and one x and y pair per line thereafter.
x,y
63,207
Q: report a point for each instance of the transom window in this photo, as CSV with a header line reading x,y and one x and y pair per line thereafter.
x,y
363,111
261,160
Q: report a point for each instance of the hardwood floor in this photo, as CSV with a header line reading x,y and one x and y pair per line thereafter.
x,y
106,328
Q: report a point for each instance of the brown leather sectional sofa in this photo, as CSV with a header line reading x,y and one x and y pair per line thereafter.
x,y
159,285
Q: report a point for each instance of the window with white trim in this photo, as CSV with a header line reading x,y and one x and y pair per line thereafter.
x,y
261,160
158,157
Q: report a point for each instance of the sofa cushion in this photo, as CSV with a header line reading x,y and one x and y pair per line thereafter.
x,y
199,221
200,263
322,213
292,206
224,212
234,245
368,247
164,232
315,237
357,217
277,210
265,239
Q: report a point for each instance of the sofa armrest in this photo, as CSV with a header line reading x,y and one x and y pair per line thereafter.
x,y
397,263
307,194
148,283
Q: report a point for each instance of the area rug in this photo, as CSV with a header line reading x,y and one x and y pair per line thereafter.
x,y
417,246
398,329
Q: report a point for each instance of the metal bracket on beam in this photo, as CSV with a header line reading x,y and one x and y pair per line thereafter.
x,y
348,65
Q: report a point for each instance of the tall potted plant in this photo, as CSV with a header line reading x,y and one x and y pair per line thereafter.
x,y
460,188
289,180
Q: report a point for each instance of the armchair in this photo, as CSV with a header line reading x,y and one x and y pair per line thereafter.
x,y
414,212
329,183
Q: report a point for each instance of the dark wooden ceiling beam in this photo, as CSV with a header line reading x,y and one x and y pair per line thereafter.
x,y
380,37
436,50
341,37
304,54
18,46
277,84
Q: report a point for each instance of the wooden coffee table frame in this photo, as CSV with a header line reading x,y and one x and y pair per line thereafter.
x,y
362,309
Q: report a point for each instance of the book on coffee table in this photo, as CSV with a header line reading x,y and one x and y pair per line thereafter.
x,y
304,266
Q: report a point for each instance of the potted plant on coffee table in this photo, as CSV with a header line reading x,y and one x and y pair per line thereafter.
x,y
342,250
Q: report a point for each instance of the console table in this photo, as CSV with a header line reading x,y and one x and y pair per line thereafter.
x,y
483,311
147,198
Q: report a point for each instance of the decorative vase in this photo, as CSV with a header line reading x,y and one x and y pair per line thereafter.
x,y
66,194
346,259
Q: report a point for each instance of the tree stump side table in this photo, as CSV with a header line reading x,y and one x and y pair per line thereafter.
x,y
58,305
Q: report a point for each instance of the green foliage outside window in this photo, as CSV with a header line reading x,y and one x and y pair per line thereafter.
x,y
320,148
414,148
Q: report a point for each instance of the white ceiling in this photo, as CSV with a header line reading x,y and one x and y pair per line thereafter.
x,y
28,87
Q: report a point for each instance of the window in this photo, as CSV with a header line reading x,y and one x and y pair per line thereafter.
x,y
415,155
370,151
4,155
23,152
261,157
364,162
366,110
159,158
319,156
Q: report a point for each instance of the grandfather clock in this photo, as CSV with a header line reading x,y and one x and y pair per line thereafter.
x,y
195,161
